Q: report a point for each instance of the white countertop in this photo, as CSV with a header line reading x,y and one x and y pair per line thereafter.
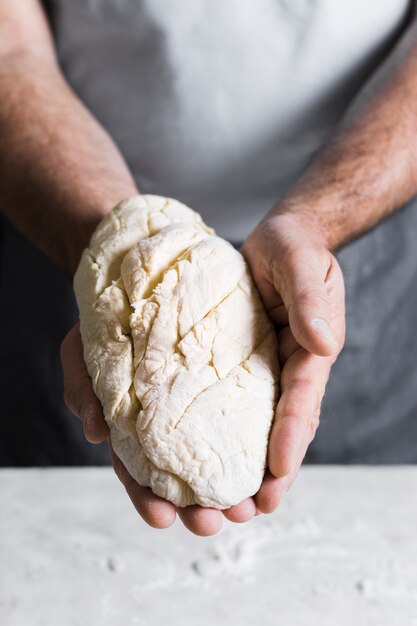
x,y
341,550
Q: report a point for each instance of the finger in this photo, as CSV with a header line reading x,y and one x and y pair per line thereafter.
x,y
309,436
155,511
303,382
303,287
78,391
272,301
270,493
201,521
242,512
269,294
287,345
94,424
274,489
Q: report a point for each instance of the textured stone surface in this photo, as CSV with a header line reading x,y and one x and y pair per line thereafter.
x,y
342,549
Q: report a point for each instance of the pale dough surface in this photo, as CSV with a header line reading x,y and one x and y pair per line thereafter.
x,y
180,350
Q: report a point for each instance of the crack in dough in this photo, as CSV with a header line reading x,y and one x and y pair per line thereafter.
x,y
181,352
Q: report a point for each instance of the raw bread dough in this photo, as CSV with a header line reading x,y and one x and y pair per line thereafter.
x,y
180,350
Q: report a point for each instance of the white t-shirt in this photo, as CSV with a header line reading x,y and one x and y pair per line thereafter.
x,y
222,104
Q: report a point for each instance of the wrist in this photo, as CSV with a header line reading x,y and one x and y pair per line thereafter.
x,y
304,216
78,238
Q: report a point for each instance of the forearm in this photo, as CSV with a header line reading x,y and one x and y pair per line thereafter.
x,y
59,170
370,168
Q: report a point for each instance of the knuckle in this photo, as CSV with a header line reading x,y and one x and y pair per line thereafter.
x,y
294,256
72,400
303,386
341,341
314,424
68,343
118,471
313,296
63,349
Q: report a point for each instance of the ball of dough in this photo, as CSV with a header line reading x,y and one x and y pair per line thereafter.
x,y
181,352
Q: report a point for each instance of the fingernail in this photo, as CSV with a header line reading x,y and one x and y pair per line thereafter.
x,y
323,329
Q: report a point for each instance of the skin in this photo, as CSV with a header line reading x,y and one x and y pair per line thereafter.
x,y
74,174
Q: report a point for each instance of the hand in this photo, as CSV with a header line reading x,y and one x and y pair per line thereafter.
x,y
301,285
299,281
157,512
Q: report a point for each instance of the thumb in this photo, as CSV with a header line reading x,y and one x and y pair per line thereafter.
x,y
78,390
302,284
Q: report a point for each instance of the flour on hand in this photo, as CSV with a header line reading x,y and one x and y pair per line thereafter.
x,y
181,352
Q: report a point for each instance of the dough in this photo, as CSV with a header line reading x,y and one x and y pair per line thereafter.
x,y
181,352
